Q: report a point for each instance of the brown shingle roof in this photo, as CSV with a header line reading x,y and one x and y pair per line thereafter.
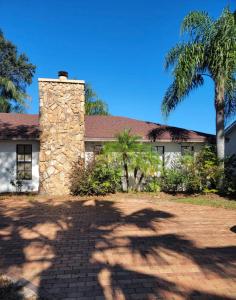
x,y
107,127
25,126
18,126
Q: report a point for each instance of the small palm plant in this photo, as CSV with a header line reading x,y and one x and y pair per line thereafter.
x,y
137,159
210,50
124,148
145,164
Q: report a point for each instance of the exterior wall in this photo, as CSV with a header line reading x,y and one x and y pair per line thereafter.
x,y
89,150
230,145
8,161
61,132
172,150
8,166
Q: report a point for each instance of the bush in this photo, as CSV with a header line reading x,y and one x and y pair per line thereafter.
x,y
230,174
193,173
97,178
172,180
152,185
208,169
200,173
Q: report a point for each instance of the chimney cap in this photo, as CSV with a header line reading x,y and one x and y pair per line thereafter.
x,y
63,73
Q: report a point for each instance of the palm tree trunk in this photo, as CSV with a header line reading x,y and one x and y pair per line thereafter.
x,y
140,181
126,172
220,136
220,124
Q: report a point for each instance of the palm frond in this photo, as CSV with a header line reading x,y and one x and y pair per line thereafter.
x,y
230,98
174,95
197,24
191,61
173,55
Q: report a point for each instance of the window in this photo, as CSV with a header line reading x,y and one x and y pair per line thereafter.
x,y
187,150
97,149
24,161
161,151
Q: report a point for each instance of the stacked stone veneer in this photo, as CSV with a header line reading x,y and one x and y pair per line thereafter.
x,y
61,132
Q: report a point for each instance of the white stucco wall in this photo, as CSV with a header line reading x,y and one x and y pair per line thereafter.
x,y
230,144
172,150
8,166
8,161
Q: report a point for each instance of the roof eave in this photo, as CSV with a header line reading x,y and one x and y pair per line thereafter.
x,y
19,139
103,139
230,128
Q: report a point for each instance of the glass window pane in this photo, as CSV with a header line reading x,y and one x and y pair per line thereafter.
x,y
97,149
187,150
28,175
20,157
27,166
20,149
27,157
28,149
160,150
20,174
20,166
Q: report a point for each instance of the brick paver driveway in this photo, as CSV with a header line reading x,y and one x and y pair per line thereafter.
x,y
119,249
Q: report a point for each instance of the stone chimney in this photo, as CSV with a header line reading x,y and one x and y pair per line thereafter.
x,y
61,131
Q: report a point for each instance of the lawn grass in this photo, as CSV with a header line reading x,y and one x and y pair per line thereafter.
x,y
208,201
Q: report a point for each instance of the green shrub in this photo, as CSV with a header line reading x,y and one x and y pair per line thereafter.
x,y
191,180
230,174
200,173
152,185
172,180
193,173
97,178
208,168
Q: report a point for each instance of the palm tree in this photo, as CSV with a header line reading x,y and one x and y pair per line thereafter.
x,y
145,163
135,157
208,50
125,147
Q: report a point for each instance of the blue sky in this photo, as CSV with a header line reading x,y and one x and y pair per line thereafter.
x,y
118,46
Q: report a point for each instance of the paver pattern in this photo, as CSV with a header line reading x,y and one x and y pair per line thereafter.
x,y
119,248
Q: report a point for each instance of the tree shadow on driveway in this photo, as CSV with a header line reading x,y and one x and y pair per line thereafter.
x,y
96,249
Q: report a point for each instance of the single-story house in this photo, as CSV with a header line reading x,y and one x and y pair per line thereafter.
x,y
19,143
40,147
230,139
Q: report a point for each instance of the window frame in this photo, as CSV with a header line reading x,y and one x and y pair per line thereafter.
x,y
24,162
185,147
97,149
163,153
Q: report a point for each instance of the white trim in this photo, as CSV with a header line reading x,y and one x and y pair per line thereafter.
x,y
87,139
20,139
61,81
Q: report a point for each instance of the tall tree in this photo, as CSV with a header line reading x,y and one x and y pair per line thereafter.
x,y
16,72
208,49
94,105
